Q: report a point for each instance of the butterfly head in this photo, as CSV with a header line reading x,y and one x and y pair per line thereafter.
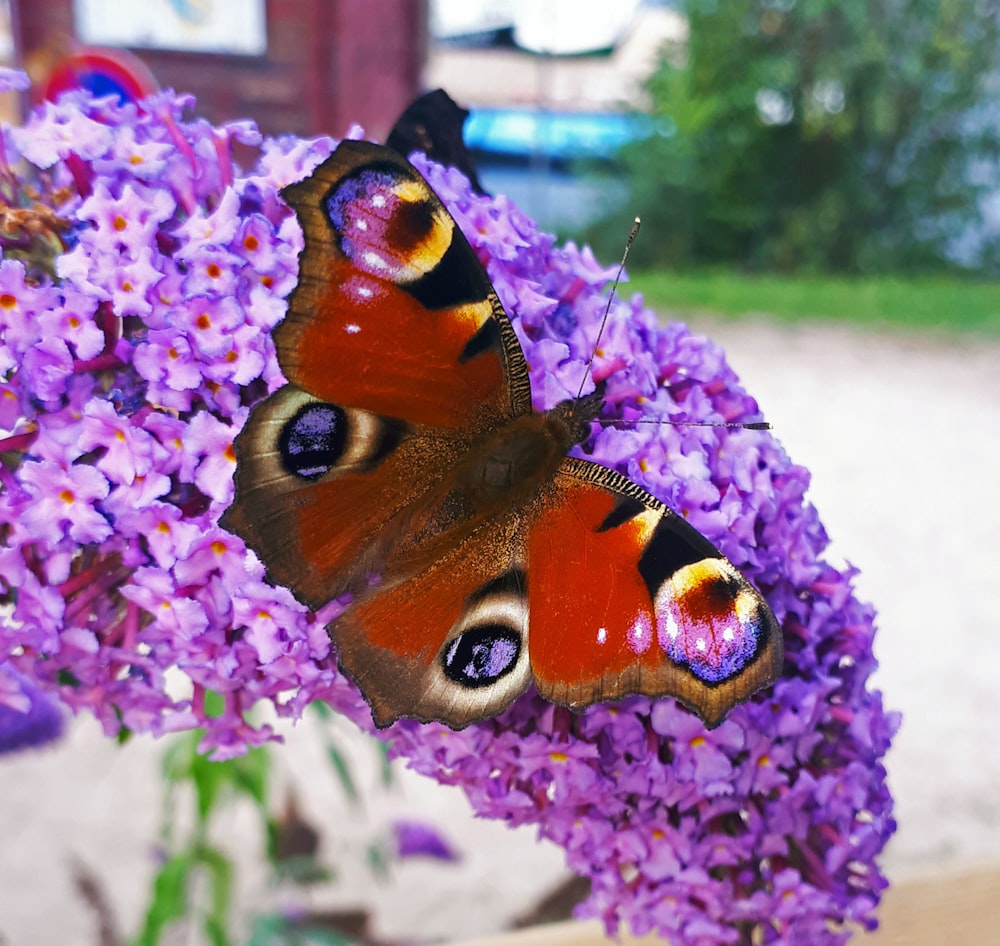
x,y
578,414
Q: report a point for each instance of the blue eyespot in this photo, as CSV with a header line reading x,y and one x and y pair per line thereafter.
x,y
482,655
313,440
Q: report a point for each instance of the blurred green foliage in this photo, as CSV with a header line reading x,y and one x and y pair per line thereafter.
x,y
193,889
822,135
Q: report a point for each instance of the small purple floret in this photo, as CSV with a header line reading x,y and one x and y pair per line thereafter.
x,y
29,717
420,839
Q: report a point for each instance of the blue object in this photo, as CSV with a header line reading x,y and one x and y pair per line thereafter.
x,y
561,136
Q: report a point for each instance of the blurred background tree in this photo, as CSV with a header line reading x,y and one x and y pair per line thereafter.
x,y
824,135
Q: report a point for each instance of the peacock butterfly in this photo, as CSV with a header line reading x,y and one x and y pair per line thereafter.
x,y
405,446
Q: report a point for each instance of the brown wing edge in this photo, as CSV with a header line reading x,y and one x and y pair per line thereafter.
x,y
674,544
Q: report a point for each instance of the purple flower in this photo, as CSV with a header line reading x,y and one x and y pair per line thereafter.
x,y
136,154
127,223
49,363
166,356
56,131
13,80
63,501
420,839
206,229
127,451
28,716
20,306
123,382
73,321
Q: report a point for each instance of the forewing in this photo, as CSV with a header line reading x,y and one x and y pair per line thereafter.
x,y
393,312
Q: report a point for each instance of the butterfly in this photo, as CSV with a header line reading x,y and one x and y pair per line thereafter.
x,y
403,463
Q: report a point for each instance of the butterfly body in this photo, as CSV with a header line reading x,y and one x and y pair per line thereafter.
x,y
403,463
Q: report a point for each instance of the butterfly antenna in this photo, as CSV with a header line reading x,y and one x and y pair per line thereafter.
x,y
749,425
752,425
607,309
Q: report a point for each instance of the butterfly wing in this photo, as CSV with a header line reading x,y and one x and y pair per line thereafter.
x,y
626,597
397,352
393,312
322,489
475,663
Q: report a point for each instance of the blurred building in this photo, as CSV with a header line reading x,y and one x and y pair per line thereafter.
x,y
555,88
550,83
298,66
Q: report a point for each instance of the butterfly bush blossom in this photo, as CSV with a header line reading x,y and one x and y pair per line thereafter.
x,y
142,273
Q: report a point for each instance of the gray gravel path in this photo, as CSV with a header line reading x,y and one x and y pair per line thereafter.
x,y
903,440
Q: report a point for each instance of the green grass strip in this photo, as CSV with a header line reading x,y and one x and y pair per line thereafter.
x,y
945,304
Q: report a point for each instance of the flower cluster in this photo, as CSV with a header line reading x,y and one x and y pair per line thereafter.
x,y
141,274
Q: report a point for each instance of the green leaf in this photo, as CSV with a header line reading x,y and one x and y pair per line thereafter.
x,y
276,930
252,773
343,773
379,857
214,781
169,901
220,873
386,769
220,870
215,704
321,709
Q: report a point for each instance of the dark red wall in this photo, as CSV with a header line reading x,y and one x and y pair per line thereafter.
x,y
328,63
